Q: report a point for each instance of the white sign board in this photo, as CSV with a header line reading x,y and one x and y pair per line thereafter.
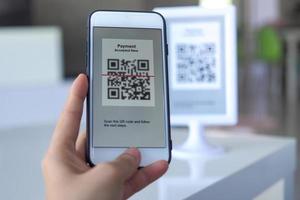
x,y
202,64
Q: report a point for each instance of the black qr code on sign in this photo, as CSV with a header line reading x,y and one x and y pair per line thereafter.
x,y
196,64
128,82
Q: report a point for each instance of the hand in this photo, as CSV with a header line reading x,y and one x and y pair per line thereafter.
x,y
66,172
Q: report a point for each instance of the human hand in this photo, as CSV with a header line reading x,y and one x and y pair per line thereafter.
x,y
66,172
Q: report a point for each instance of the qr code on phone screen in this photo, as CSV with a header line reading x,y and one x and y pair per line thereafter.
x,y
127,72
196,65
129,82
128,79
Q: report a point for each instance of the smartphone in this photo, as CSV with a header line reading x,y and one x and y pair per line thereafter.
x,y
128,99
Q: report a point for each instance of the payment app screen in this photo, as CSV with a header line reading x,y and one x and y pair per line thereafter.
x,y
128,90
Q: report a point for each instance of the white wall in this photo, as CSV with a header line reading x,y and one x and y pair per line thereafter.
x,y
30,56
262,12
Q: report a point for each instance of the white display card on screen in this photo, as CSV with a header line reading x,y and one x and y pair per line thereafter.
x,y
127,72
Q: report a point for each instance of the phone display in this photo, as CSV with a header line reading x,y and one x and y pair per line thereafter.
x,y
128,86
128,99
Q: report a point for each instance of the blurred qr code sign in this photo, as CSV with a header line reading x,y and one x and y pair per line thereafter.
x,y
196,65
128,82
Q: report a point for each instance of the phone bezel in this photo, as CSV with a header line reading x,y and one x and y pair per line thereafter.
x,y
126,19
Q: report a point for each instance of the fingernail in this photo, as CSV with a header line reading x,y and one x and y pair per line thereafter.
x,y
134,152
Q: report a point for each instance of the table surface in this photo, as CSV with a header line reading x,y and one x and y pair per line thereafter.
x,y
21,174
188,176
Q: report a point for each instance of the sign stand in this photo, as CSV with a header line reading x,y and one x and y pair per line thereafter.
x,y
196,143
203,72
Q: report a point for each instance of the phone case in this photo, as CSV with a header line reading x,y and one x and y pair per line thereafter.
x,y
88,158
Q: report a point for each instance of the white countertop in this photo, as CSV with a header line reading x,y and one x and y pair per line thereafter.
x,y
249,163
248,166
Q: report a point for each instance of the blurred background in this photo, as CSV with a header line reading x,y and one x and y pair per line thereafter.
x,y
267,42
49,38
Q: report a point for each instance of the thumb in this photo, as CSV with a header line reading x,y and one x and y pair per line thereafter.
x,y
128,163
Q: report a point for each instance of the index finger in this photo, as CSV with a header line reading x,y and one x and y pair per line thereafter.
x,y
66,131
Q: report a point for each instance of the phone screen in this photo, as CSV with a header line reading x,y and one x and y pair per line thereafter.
x,y
128,97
